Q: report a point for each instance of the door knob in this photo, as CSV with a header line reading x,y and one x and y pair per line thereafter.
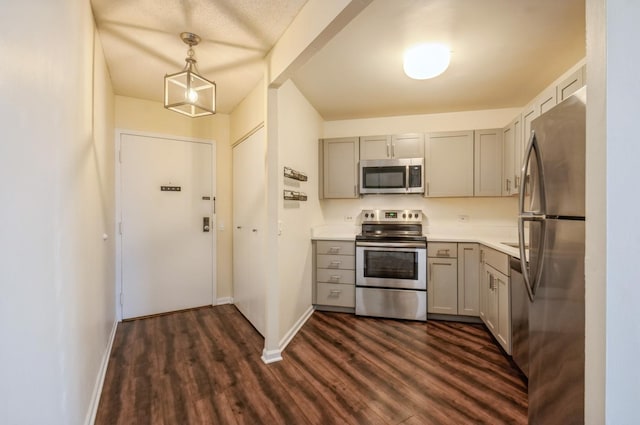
x,y
205,224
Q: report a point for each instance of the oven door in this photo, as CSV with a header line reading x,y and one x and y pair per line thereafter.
x,y
391,265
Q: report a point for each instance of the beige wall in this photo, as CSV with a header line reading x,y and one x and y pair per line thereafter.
x,y
299,128
249,114
57,309
152,117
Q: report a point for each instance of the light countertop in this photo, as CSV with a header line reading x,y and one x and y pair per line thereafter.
x,y
343,233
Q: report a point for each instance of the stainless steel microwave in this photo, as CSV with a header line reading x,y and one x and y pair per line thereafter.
x,y
392,175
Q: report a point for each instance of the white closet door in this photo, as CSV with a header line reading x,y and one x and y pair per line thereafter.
x,y
167,255
249,220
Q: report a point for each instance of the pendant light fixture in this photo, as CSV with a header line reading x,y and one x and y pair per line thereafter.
x,y
186,92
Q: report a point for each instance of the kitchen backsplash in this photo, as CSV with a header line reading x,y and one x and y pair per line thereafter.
x,y
450,215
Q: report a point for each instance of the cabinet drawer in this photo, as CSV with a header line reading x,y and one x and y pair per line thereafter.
x,y
335,247
336,294
345,262
336,276
496,259
442,249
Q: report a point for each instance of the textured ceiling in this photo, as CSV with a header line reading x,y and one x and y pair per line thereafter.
x,y
141,42
503,51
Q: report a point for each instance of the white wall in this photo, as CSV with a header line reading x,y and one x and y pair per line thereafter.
x,y
442,213
56,191
621,68
152,117
299,128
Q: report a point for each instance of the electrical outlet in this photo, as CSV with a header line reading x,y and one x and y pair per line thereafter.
x,y
348,218
463,218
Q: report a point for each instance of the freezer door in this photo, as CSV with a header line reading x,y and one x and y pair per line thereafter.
x,y
561,135
556,329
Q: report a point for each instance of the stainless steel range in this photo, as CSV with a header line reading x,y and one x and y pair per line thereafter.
x,y
391,265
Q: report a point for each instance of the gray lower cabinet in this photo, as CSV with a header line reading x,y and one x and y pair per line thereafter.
x,y
495,299
453,278
334,275
442,279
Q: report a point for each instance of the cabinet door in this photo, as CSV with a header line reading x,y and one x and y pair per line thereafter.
x,y
468,279
375,147
449,164
483,289
442,286
518,153
528,115
547,100
508,158
407,145
570,84
488,162
340,167
503,314
491,299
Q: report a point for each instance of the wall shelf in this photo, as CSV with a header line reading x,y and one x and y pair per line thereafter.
x,y
294,174
292,195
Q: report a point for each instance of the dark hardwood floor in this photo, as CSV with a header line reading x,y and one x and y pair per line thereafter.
x,y
203,366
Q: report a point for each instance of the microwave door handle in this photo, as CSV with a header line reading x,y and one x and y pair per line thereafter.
x,y
406,178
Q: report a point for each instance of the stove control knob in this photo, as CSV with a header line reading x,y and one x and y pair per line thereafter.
x,y
366,215
404,216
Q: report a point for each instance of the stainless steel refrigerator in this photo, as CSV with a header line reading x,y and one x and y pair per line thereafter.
x,y
552,211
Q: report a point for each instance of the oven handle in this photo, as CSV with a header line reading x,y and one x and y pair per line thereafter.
x,y
384,245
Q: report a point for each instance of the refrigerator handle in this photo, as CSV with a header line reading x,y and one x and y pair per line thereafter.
x,y
532,282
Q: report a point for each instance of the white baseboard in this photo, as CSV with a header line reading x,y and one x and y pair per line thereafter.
x,y
271,356
296,328
97,389
224,300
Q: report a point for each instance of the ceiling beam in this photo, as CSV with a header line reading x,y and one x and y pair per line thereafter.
x,y
317,23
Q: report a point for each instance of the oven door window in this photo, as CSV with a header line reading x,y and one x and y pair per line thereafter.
x,y
384,177
391,264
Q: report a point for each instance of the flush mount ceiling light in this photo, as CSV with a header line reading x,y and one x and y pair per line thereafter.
x,y
426,60
186,92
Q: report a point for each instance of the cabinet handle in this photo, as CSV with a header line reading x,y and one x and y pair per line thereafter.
x,y
482,256
335,264
443,252
335,278
517,182
334,249
334,293
388,154
393,151
508,185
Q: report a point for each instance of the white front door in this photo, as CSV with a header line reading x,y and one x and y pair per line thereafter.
x,y
167,253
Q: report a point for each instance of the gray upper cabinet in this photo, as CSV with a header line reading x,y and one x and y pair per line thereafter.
x,y
407,145
488,162
397,146
375,147
449,164
340,167
569,85
512,157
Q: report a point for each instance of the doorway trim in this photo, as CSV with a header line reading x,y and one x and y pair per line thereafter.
x,y
119,132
